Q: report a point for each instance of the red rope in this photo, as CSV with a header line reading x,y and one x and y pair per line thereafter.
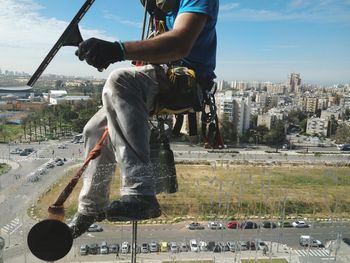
x,y
94,153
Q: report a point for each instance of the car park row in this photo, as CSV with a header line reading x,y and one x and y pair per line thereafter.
x,y
234,224
193,245
173,247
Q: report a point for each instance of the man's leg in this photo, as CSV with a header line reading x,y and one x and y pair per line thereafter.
x,y
94,195
128,97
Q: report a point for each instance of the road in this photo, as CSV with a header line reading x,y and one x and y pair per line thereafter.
x,y
17,194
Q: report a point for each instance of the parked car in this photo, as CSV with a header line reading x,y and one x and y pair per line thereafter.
x,y
153,247
203,246
217,248
232,246
211,245
125,248
285,224
144,248
183,247
268,224
215,225
242,246
113,248
261,244
233,224
251,245
223,246
249,225
300,224
84,250
95,228
194,245
174,248
50,165
104,248
163,246
93,249
62,146
195,226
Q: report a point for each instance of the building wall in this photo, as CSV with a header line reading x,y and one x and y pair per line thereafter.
x,y
317,126
265,120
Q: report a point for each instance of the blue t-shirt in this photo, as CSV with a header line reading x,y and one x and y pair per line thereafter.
x,y
202,57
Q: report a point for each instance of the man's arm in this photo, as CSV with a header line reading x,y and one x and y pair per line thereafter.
x,y
169,46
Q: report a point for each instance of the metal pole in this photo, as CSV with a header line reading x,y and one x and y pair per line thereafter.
x,y
134,242
2,245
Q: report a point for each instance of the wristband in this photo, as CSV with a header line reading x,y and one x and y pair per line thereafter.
x,y
122,47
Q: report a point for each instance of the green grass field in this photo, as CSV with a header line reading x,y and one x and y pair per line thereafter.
x,y
240,191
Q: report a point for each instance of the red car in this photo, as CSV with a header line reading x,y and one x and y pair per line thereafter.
x,y
233,224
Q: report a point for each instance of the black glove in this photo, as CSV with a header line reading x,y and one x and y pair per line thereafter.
x,y
100,53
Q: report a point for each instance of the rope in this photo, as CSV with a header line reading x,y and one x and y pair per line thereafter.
x,y
94,153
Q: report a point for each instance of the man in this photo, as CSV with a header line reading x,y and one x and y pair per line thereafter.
x,y
128,100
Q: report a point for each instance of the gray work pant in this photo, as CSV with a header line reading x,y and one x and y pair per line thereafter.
x,y
128,98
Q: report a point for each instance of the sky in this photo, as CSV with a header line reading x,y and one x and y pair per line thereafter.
x,y
258,40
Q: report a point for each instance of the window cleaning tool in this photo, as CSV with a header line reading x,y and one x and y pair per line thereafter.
x,y
70,37
51,239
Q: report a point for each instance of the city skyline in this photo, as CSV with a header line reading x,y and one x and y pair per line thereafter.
x,y
257,40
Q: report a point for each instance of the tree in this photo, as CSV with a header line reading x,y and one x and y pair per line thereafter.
x,y
342,134
332,127
227,129
276,136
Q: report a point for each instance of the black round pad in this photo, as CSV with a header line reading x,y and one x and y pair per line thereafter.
x,y
50,240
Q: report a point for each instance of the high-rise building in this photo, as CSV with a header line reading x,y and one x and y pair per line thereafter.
x,y
236,107
242,109
294,82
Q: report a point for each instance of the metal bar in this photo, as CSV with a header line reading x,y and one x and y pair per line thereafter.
x,y
134,242
60,42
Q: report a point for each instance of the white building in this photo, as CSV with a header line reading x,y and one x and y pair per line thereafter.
x,y
317,126
236,107
242,109
266,120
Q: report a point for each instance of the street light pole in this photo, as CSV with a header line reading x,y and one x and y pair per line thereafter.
x,y
2,245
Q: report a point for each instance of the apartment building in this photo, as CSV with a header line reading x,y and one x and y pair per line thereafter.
x,y
317,126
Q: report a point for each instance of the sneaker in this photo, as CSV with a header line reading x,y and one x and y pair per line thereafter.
x,y
133,208
81,223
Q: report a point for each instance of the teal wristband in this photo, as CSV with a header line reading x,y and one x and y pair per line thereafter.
x,y
122,47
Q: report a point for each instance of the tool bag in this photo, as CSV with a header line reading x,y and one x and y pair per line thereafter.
x,y
181,94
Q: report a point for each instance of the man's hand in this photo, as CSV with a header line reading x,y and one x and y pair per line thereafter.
x,y
100,53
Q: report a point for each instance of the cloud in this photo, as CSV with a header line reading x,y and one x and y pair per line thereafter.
x,y
320,11
229,6
118,19
27,36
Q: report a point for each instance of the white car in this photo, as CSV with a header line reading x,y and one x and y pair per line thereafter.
x,y
300,224
215,225
203,246
125,248
174,248
194,245
104,248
